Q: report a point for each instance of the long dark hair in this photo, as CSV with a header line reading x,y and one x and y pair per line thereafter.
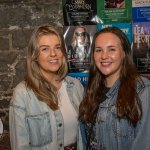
x,y
128,103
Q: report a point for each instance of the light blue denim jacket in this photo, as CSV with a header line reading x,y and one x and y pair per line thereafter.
x,y
33,125
115,134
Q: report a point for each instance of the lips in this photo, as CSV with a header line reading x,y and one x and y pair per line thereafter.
x,y
106,63
53,61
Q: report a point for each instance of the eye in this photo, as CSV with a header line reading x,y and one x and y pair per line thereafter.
x,y
58,48
98,50
112,49
44,49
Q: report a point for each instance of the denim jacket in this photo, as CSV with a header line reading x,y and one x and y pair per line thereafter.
x,y
115,134
33,125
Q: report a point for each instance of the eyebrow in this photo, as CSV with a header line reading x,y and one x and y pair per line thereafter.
x,y
48,45
108,46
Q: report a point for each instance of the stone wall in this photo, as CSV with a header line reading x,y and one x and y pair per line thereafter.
x,y
17,20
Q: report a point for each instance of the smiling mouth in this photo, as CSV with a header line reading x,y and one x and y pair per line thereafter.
x,y
106,63
53,61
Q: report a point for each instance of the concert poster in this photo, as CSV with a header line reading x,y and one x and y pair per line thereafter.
x,y
125,27
78,40
79,12
141,10
141,47
114,11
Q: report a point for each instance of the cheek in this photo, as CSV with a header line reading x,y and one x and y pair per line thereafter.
x,y
61,59
119,60
42,55
121,56
96,57
41,59
60,56
118,56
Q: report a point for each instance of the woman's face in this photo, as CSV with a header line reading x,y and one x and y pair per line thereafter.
x,y
50,57
80,34
108,56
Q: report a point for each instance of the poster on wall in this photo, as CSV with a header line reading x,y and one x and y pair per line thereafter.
x,y
141,47
125,27
78,44
79,12
141,10
114,11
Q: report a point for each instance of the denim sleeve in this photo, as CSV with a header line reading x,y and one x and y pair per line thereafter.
x,y
79,140
142,133
82,137
19,137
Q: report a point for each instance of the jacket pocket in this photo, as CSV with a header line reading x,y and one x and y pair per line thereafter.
x,y
121,127
39,127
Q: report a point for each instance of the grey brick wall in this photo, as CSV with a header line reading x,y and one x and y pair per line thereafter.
x,y
17,20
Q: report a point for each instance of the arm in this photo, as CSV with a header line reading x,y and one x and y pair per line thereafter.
x,y
142,131
19,137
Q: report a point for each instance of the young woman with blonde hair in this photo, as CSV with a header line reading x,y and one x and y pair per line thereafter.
x,y
44,108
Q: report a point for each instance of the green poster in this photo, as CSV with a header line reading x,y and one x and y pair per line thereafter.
x,y
114,11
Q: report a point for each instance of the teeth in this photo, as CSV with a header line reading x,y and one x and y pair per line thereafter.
x,y
52,61
105,63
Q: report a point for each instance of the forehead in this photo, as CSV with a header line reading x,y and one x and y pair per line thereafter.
x,y
79,29
49,38
107,38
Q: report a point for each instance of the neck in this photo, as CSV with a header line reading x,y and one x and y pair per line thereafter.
x,y
110,82
54,79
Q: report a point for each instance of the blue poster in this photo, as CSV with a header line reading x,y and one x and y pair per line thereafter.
x,y
125,27
82,77
141,14
140,10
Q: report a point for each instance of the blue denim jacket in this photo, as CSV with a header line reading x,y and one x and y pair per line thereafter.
x,y
115,134
33,125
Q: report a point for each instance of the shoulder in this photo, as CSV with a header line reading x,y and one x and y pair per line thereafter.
x,y
142,83
143,90
75,83
20,93
20,88
72,80
75,88
146,81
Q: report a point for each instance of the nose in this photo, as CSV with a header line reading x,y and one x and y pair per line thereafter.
x,y
52,52
104,55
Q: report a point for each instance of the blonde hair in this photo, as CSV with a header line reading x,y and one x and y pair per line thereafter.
x,y
86,40
44,90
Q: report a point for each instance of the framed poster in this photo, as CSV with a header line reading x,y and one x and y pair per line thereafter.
x,y
141,47
114,11
79,12
125,27
141,10
78,40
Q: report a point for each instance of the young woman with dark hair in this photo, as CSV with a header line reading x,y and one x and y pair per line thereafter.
x,y
114,113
